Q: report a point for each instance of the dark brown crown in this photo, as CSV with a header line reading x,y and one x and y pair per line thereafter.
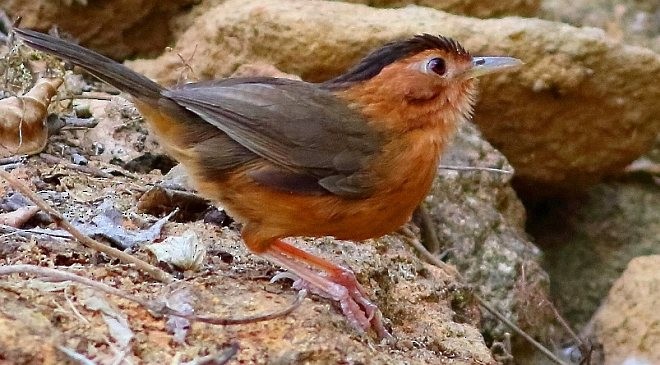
x,y
373,63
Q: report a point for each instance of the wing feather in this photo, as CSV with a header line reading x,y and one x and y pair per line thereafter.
x,y
295,125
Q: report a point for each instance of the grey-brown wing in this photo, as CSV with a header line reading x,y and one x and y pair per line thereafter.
x,y
301,129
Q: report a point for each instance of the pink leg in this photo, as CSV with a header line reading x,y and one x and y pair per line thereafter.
x,y
338,284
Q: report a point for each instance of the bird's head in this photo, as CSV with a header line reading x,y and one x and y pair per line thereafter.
x,y
421,71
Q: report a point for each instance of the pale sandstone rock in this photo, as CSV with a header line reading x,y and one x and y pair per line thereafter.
x,y
476,8
416,298
628,323
582,106
630,21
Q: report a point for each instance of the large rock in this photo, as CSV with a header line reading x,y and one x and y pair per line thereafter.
x,y
628,324
234,283
431,314
116,28
582,107
589,240
477,8
630,21
480,222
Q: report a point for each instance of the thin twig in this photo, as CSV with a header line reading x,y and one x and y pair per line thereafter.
x,y
88,97
434,261
5,229
245,320
74,123
185,64
57,217
12,159
73,306
50,159
155,306
519,331
565,324
429,257
475,168
431,241
60,275
558,317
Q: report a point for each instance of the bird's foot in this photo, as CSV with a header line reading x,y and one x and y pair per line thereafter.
x,y
333,282
347,291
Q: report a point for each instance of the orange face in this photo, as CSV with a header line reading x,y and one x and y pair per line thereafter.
x,y
428,89
437,76
436,85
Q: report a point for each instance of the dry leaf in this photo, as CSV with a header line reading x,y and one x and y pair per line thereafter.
x,y
181,301
109,224
23,119
118,326
76,356
186,252
119,330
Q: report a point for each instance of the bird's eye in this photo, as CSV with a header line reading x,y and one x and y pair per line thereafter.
x,y
437,65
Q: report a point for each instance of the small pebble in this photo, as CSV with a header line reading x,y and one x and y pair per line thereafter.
x,y
78,159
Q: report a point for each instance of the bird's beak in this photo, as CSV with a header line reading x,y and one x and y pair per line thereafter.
x,y
486,65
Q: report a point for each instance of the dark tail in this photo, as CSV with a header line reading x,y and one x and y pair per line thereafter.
x,y
100,66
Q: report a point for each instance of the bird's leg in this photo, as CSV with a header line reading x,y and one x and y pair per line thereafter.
x,y
338,284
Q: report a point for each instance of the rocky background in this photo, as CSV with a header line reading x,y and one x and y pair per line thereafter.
x,y
569,243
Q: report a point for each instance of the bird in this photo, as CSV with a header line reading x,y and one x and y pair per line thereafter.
x,y
350,158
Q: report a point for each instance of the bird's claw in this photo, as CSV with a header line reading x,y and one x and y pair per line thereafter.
x,y
335,283
284,275
356,307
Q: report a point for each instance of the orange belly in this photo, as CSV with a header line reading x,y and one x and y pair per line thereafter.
x,y
269,213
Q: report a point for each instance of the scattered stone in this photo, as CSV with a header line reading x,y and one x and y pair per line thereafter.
x,y
628,323
78,159
158,201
